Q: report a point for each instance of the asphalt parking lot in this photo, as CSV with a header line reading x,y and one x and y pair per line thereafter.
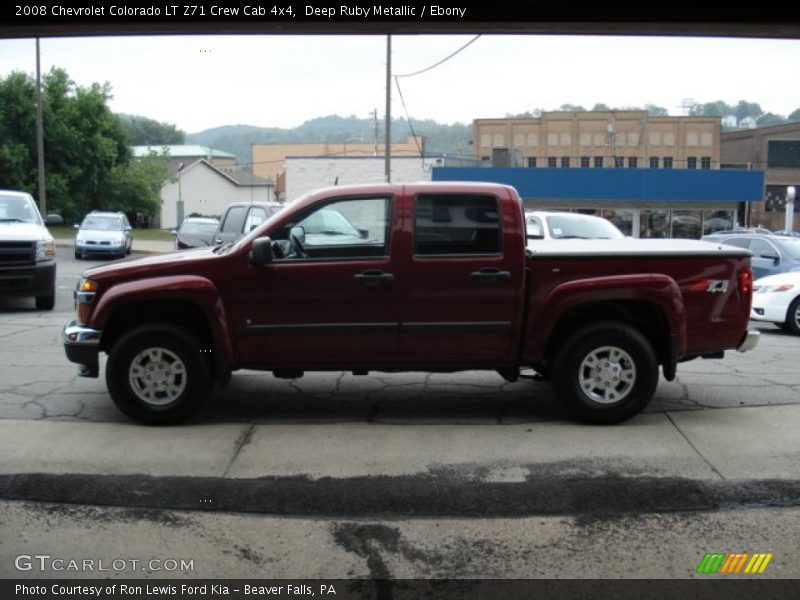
x,y
398,475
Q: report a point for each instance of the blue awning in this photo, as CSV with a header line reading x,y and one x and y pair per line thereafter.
x,y
629,185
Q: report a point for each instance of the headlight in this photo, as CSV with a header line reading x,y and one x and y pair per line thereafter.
x,y
765,289
84,297
45,250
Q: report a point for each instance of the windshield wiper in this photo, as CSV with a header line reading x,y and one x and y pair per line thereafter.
x,y
572,237
12,221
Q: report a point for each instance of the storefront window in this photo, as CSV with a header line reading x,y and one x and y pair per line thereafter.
x,y
717,220
654,224
686,224
623,219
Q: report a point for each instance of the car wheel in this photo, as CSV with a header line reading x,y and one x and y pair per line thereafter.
x,y
78,255
157,375
792,322
46,302
606,373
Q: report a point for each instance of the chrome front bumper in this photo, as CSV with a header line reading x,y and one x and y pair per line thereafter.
x,y
81,345
749,341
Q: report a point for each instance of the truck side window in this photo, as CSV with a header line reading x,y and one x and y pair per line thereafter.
x,y
456,224
235,220
347,228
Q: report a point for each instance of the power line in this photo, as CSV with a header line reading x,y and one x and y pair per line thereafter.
x,y
445,59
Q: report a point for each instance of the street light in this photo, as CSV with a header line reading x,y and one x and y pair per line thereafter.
x,y
788,224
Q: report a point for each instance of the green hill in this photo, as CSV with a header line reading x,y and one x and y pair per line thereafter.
x,y
237,139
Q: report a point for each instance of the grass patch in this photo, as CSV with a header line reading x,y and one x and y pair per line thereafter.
x,y
63,232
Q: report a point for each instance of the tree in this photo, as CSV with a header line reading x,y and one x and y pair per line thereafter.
x,y
86,148
794,117
135,186
711,109
770,119
747,109
17,128
142,131
601,106
656,111
571,107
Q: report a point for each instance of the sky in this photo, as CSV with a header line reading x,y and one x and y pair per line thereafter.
x,y
198,82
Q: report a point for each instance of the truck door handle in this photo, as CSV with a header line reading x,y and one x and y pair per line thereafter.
x,y
490,274
373,277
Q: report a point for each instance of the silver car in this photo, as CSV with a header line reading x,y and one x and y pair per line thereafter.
x,y
107,233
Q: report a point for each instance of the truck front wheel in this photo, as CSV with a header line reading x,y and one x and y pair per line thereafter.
x,y
606,373
157,375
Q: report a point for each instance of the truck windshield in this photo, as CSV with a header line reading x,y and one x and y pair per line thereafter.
x,y
18,209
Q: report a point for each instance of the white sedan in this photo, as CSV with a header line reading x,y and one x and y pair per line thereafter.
x,y
776,299
544,225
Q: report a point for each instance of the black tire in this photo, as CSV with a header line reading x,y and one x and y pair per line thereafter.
x,y
603,391
792,323
78,255
46,302
181,373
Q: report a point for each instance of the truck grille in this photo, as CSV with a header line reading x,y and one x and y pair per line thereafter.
x,y
17,253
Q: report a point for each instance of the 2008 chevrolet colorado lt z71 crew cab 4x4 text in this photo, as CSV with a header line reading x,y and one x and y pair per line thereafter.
x,y
433,277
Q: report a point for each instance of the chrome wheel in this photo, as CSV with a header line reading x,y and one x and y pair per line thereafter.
x,y
607,374
157,376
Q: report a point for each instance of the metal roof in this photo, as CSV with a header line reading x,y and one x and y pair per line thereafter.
x,y
181,151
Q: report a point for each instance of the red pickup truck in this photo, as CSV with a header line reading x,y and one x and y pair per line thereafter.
x,y
422,277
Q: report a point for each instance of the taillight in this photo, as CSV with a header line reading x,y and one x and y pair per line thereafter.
x,y
746,282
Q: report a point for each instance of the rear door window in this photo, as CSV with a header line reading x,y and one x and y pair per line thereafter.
x,y
447,224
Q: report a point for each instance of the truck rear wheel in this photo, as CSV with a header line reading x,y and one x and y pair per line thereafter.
x,y
606,373
157,375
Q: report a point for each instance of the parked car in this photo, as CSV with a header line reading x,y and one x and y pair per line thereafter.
x,y
101,232
240,218
195,232
776,299
27,250
441,282
771,253
787,233
544,225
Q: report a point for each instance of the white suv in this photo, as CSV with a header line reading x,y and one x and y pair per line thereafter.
x,y
27,250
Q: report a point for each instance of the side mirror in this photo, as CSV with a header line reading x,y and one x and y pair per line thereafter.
x,y
771,256
174,233
76,226
363,233
53,219
261,251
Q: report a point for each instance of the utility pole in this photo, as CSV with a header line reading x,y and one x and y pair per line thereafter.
x,y
40,134
375,132
388,143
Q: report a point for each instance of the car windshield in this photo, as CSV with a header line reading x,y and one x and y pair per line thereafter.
x,y
18,209
568,226
102,223
328,222
198,227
